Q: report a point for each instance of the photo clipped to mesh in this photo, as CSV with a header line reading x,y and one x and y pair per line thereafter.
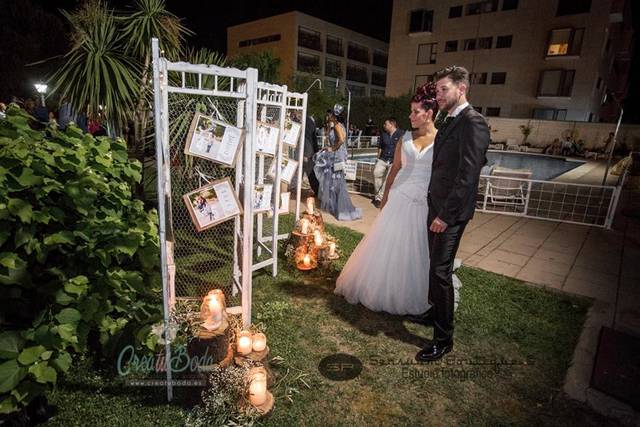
x,y
212,204
213,140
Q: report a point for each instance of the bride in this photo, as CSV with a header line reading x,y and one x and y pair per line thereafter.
x,y
389,269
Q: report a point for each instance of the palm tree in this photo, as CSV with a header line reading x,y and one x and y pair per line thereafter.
x,y
97,77
108,69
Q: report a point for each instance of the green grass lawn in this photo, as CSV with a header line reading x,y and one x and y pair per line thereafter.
x,y
513,345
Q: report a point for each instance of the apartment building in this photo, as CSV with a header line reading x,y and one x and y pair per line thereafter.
x,y
308,46
543,59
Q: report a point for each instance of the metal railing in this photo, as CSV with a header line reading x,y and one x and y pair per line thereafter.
x,y
593,205
584,204
354,141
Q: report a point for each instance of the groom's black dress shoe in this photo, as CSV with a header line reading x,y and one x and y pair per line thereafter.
x,y
434,350
423,319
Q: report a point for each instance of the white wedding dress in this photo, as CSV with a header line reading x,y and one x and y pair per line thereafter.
x,y
389,269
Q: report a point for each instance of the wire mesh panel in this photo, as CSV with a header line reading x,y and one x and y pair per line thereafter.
x,y
204,260
296,110
270,101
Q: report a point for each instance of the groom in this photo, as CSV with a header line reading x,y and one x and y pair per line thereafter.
x,y
458,156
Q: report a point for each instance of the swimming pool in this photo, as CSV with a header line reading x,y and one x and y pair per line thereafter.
x,y
543,167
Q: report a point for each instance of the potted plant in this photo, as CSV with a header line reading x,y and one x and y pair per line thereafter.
x,y
526,131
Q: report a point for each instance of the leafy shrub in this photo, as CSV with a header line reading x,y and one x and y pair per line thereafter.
x,y
78,256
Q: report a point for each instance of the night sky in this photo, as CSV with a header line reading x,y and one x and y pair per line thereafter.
x,y
209,20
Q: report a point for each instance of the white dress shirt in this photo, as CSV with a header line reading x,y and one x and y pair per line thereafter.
x,y
458,109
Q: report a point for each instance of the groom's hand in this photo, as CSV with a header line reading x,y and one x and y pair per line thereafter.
x,y
438,226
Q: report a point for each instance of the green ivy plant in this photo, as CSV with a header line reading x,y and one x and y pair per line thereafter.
x,y
78,255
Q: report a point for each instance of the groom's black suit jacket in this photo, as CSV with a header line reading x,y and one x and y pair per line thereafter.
x,y
458,156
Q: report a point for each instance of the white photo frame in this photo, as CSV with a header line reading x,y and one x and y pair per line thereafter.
x,y
212,204
267,138
291,132
287,169
213,140
262,195
285,198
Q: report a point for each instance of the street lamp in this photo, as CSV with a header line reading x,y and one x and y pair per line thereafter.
x,y
314,82
348,108
615,136
41,88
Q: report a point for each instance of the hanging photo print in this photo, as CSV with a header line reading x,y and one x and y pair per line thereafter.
x,y
262,197
213,140
267,138
291,131
287,170
212,204
284,203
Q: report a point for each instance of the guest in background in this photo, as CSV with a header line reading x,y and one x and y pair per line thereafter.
x,y
386,150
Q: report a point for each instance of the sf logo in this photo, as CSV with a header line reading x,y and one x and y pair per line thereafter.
x,y
340,367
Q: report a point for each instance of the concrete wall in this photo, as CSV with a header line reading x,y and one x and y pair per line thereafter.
x,y
545,131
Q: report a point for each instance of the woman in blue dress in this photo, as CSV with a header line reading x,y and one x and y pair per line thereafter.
x,y
329,169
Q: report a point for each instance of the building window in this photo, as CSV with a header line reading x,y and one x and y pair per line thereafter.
x,y
482,7
357,73
485,42
380,58
357,90
565,42
493,112
309,39
260,40
421,79
498,78
599,84
556,82
451,46
573,7
421,21
308,63
376,92
478,109
330,86
358,53
478,78
503,42
470,44
427,53
510,4
549,114
333,68
378,78
455,12
334,46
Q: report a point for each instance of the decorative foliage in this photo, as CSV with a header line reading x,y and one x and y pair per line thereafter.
x,y
78,256
224,401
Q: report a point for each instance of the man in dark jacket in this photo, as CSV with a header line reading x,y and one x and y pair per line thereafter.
x,y
310,148
459,153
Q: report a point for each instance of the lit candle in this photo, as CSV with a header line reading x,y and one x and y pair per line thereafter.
x,y
259,342
306,261
212,310
244,342
317,238
304,223
332,249
310,204
258,386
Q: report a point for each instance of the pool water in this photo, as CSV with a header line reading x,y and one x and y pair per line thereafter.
x,y
543,167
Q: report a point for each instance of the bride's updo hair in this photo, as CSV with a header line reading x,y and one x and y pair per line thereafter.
x,y
426,96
